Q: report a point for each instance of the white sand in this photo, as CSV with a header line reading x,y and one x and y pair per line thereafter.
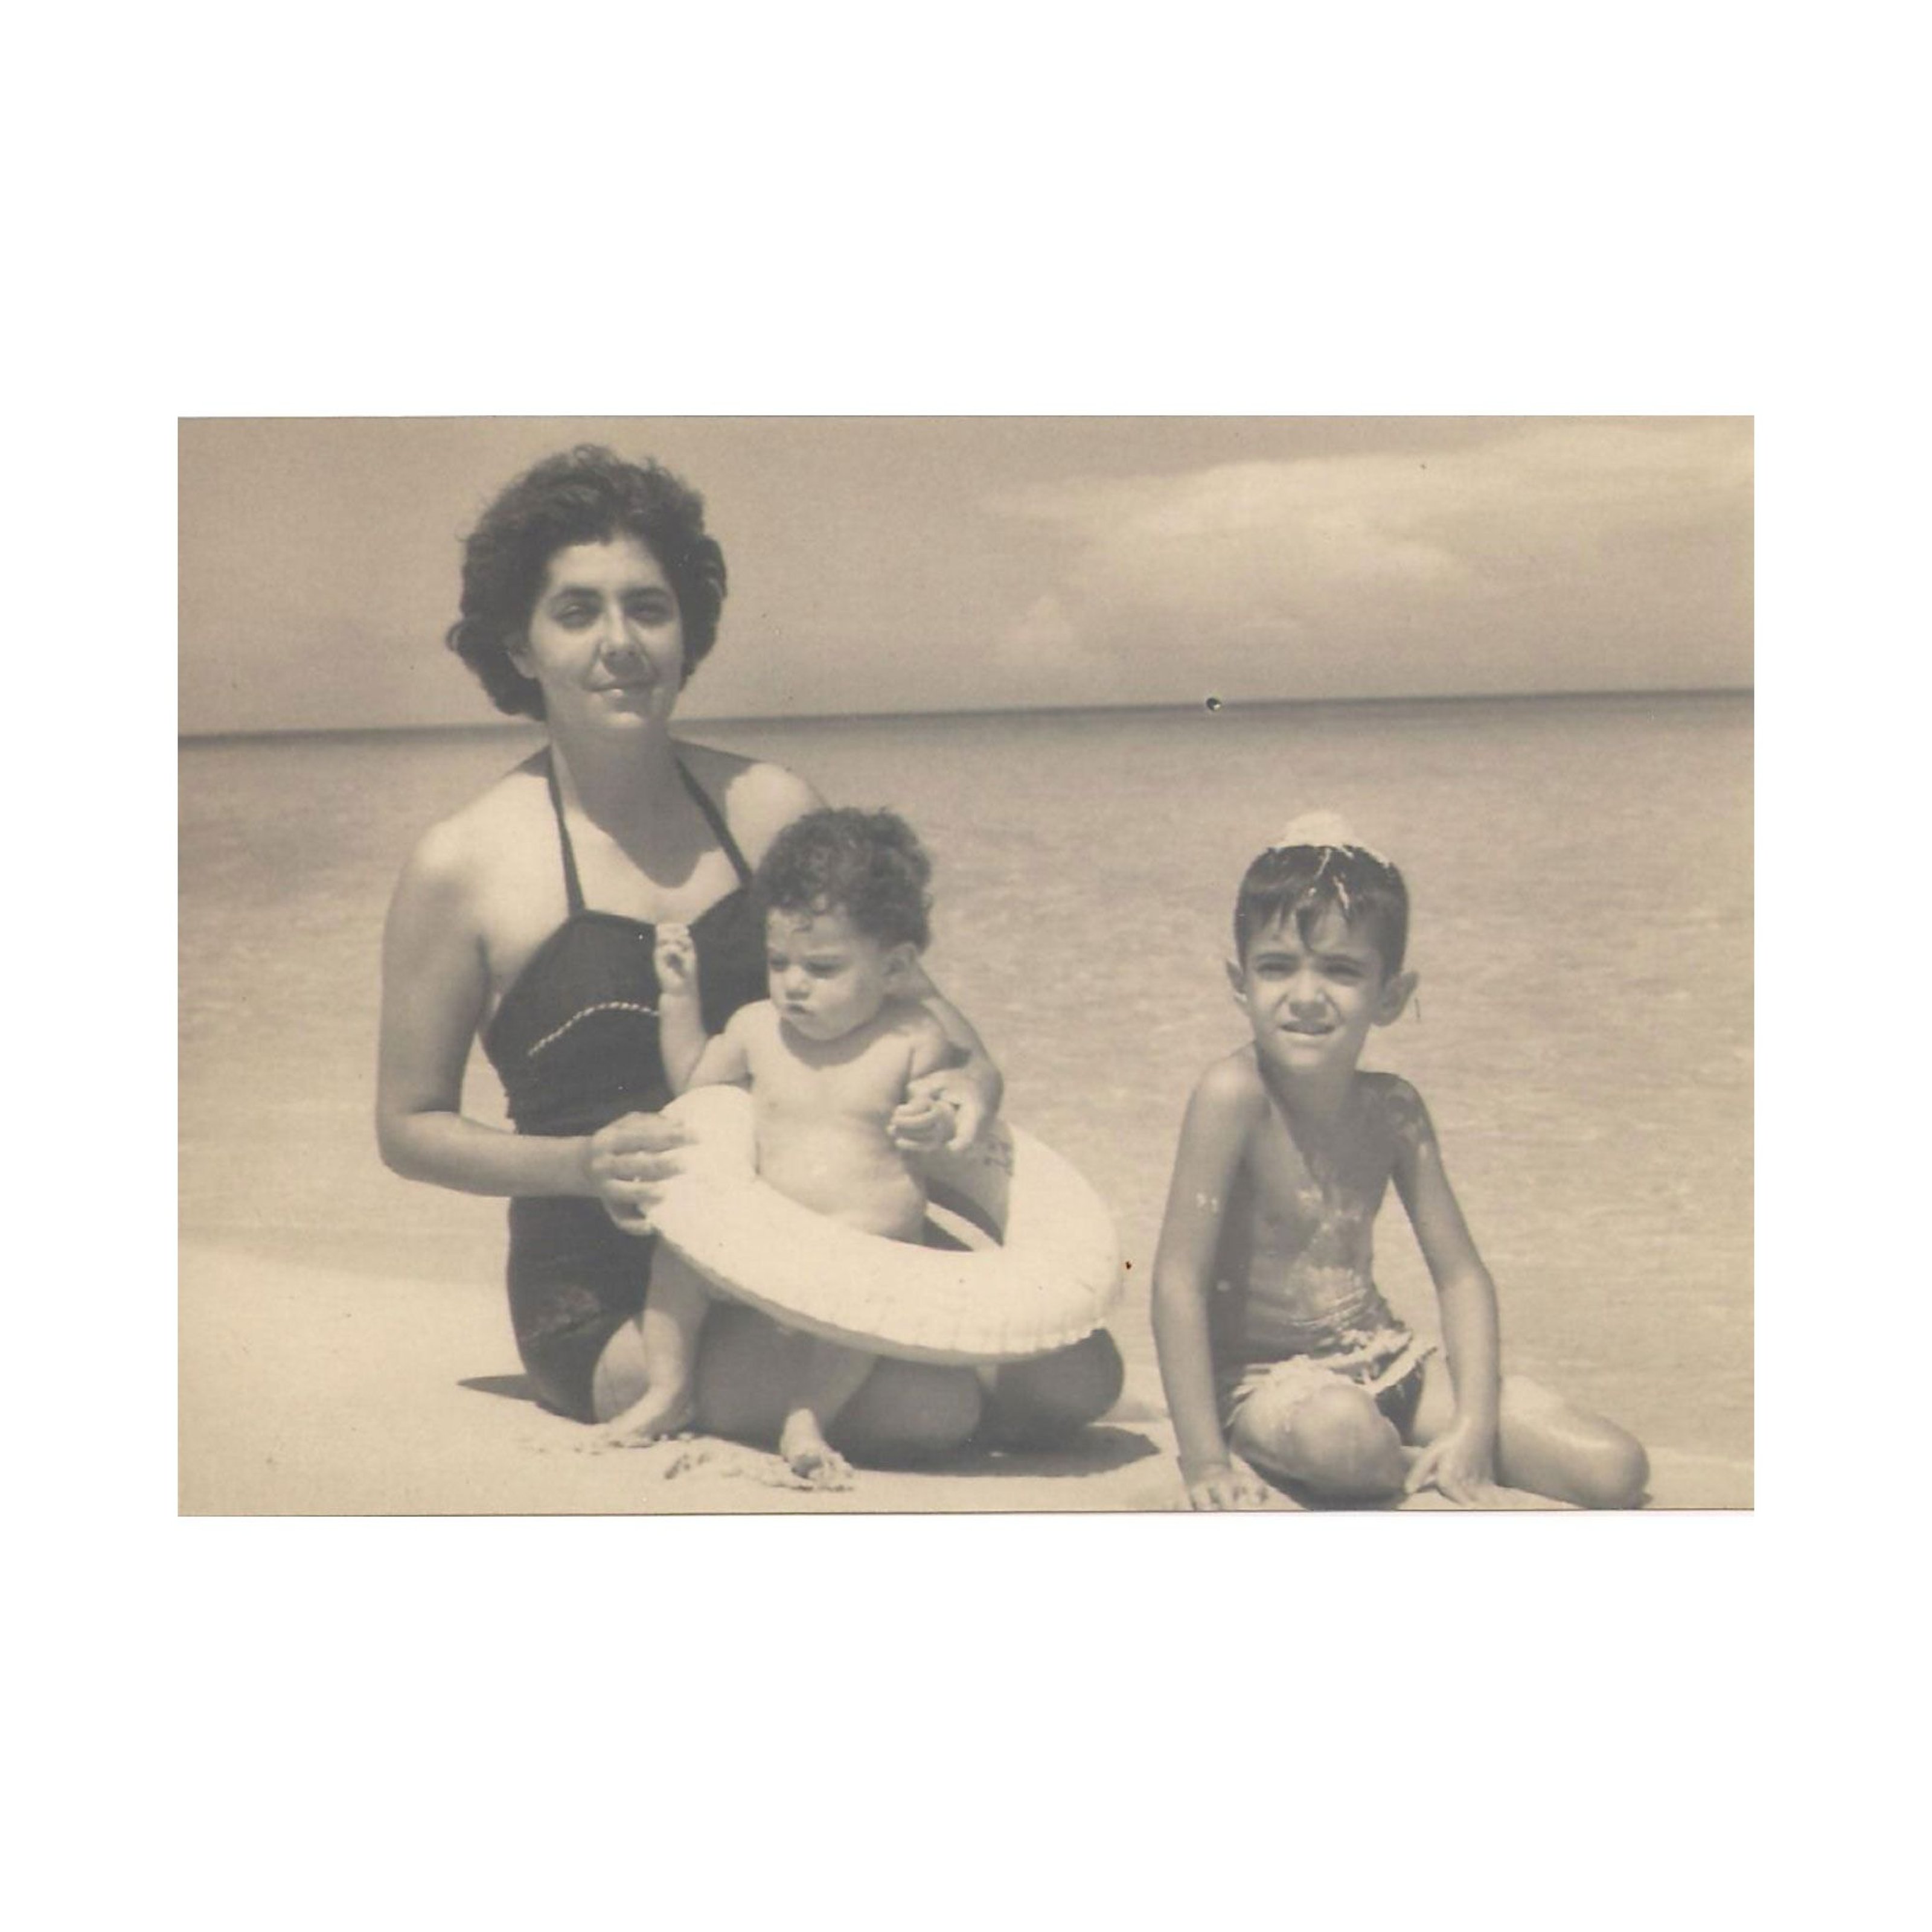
x,y
316,1391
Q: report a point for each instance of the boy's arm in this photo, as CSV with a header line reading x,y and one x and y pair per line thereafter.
x,y
1220,1116
1462,1460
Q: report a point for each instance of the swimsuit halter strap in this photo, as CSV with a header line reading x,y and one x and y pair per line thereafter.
x,y
714,819
573,888
573,891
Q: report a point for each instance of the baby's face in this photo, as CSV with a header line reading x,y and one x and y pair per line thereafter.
x,y
826,977
1312,1001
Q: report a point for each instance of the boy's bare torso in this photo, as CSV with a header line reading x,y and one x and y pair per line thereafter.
x,y
1299,1242
822,1107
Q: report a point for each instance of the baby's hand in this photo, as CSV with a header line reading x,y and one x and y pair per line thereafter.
x,y
1227,1487
940,1110
676,959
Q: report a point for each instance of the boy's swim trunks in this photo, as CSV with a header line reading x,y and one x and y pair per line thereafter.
x,y
1387,1364
575,1043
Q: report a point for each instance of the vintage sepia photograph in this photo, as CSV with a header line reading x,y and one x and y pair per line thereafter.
x,y
757,965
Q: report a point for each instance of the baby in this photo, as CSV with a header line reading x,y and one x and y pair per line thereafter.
x,y
829,1057
1273,1339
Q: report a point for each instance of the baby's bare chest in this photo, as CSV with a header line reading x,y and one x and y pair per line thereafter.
x,y
792,1090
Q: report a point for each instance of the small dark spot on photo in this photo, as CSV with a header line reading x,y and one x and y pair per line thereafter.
x,y
1213,704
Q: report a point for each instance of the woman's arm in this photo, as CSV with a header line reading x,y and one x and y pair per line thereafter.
x,y
435,989
1206,1164
1462,1460
969,1090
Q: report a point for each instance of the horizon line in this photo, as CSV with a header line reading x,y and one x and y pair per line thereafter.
x,y
1215,707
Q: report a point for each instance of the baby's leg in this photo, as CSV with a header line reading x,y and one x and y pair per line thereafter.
x,y
906,1414
1548,1447
832,1377
668,1329
1323,1434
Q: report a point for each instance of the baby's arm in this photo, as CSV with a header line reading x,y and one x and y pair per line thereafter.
x,y
1462,1460
1220,1116
726,1060
681,1034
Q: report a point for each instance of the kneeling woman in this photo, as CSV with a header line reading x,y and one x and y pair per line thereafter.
x,y
590,594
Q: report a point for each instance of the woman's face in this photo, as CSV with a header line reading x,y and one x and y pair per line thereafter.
x,y
606,640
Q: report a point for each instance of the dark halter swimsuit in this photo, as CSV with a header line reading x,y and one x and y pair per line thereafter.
x,y
575,1044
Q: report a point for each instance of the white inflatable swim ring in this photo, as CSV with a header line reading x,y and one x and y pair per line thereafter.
x,y
1048,1282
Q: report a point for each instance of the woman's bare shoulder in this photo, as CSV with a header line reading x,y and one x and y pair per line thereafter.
x,y
459,848
760,798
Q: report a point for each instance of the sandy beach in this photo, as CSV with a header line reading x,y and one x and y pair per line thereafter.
x,y
310,1391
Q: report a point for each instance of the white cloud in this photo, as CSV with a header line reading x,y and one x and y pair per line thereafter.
x,y
1564,555
1044,638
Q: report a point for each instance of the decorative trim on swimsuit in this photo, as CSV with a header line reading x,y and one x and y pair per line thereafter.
x,y
1373,1361
601,1007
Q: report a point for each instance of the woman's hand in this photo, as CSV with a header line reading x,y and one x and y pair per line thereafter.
x,y
1461,1463
945,1109
626,1164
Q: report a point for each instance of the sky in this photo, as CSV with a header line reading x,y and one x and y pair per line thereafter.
x,y
908,564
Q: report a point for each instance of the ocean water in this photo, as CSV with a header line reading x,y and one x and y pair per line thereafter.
x,y
1581,870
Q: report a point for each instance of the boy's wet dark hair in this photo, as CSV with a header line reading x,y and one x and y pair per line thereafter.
x,y
1305,881
868,865
586,495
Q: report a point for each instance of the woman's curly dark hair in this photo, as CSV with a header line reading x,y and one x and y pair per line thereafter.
x,y
868,865
586,495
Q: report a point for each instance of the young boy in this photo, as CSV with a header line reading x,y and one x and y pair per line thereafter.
x,y
828,1057
1274,1342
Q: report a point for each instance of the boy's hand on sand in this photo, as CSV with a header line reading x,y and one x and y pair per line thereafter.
x,y
940,1110
1460,1464
675,957
627,1163
1226,1488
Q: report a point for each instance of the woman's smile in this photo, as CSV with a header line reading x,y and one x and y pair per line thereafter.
x,y
606,627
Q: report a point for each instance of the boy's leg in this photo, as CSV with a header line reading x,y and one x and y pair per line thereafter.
x,y
1549,1446
664,1354
1322,1433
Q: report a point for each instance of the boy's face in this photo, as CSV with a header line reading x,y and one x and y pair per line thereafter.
x,y
826,977
1312,1002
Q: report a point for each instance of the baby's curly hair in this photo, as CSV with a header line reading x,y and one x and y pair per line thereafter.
x,y
1305,881
868,865
586,495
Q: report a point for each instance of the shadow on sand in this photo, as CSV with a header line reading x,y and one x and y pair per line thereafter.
x,y
1094,1452
517,1388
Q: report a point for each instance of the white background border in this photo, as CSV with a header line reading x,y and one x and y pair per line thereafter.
x,y
1472,211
